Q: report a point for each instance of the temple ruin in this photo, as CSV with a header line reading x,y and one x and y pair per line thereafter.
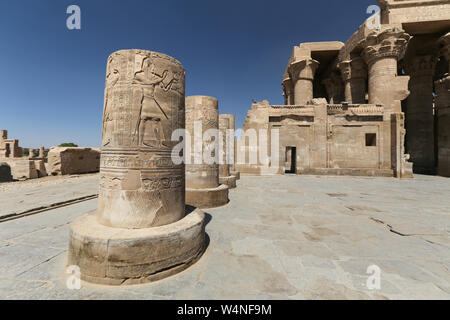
x,y
377,105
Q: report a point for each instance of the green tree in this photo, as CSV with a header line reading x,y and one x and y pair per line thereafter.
x,y
68,144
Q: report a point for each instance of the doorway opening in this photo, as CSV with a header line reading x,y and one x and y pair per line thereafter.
x,y
291,160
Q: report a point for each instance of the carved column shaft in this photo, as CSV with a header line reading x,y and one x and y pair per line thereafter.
x,y
302,74
224,167
354,74
382,50
205,111
288,91
230,144
444,43
140,186
334,87
419,113
442,101
443,123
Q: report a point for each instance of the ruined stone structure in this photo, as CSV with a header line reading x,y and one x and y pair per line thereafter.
x,y
225,176
376,105
202,175
41,152
29,167
9,148
71,160
142,230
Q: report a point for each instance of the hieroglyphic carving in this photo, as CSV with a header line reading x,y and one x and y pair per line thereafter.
x,y
140,186
202,110
138,79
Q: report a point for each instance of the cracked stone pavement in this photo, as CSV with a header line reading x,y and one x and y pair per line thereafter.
x,y
280,237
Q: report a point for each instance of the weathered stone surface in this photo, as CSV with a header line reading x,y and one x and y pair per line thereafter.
x,y
40,168
5,172
206,198
230,181
419,114
316,243
321,138
23,169
69,160
116,256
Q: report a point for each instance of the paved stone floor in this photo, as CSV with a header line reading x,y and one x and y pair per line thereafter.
x,y
281,237
22,196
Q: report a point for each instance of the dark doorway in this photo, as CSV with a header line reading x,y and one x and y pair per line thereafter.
x,y
291,160
8,150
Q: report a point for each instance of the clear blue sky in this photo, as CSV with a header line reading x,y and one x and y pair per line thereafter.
x,y
52,79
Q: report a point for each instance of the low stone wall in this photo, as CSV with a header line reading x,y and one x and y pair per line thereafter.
x,y
23,169
64,161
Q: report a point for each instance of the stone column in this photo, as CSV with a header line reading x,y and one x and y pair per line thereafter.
x,y
232,145
302,74
334,87
225,176
140,186
444,43
442,101
354,75
288,90
41,152
30,153
140,232
202,179
382,50
419,116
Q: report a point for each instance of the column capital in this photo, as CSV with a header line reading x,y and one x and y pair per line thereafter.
x,y
303,69
353,69
390,43
420,65
286,83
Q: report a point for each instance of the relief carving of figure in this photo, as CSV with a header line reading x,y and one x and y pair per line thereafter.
x,y
151,113
112,77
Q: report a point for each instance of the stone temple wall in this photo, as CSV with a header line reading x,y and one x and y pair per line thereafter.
x,y
322,138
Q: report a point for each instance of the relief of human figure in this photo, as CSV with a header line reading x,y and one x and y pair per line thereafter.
x,y
108,121
151,113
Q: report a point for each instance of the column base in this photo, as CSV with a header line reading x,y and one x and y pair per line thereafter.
x,y
114,256
229,181
207,198
237,174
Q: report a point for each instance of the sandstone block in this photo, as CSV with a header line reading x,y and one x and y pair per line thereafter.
x,y
64,161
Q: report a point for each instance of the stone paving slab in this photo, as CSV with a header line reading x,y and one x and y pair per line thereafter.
x,y
23,196
280,237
